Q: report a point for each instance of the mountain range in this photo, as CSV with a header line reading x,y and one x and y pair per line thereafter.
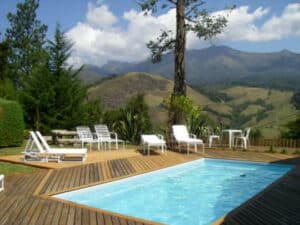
x,y
213,66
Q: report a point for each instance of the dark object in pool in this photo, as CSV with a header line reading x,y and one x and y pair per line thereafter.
x,y
242,175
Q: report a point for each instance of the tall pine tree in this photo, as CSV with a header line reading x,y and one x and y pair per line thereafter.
x,y
69,90
7,89
26,36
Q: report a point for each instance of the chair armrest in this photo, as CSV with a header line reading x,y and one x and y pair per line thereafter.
x,y
193,136
95,135
160,136
114,134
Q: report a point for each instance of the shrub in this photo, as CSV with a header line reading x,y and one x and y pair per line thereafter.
x,y
297,152
130,121
11,123
283,151
271,149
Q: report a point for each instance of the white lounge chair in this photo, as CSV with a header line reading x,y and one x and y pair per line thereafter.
x,y
1,182
62,152
34,150
105,136
86,136
244,138
181,135
153,140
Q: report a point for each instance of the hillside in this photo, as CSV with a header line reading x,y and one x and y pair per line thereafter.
x,y
220,65
243,106
114,93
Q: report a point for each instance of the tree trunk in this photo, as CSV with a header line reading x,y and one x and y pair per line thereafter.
x,y
177,116
179,76
37,118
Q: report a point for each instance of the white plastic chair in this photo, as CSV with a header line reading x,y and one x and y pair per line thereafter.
x,y
150,140
181,135
1,182
244,138
61,152
86,136
212,136
105,136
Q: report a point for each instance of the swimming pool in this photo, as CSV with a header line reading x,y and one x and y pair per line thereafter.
x,y
197,192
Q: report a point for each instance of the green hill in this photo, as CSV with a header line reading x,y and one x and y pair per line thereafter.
x,y
114,93
238,106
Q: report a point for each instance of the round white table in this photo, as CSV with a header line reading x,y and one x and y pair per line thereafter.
x,y
231,133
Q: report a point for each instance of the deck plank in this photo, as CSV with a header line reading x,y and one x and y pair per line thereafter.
x,y
279,204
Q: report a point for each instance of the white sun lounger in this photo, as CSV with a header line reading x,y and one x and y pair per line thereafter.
x,y
81,152
34,151
1,182
181,135
153,140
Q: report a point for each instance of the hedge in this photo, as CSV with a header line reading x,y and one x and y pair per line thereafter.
x,y
11,123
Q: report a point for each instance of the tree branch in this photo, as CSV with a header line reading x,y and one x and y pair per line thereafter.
x,y
163,44
172,1
194,8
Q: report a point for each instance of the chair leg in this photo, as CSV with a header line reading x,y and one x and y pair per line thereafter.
x,y
2,183
245,143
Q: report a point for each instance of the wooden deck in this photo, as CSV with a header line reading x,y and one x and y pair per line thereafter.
x,y
26,199
93,157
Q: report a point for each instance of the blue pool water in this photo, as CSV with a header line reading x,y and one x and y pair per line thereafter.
x,y
197,192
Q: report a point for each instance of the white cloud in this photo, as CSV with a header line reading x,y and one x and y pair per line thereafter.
x,y
242,24
100,17
96,42
102,37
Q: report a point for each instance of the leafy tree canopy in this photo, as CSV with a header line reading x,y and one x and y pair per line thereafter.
x,y
196,18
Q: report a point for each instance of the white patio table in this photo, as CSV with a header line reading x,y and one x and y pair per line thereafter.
x,y
231,133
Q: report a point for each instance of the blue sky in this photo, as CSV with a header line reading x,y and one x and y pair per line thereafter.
x,y
103,30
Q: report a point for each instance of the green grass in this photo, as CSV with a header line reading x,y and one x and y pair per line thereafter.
x,y
11,151
10,168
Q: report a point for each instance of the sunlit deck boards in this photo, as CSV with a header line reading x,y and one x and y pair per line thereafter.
x,y
26,201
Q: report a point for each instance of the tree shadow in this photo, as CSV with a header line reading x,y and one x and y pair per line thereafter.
x,y
278,203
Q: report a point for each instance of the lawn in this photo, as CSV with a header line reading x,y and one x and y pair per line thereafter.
x,y
9,168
